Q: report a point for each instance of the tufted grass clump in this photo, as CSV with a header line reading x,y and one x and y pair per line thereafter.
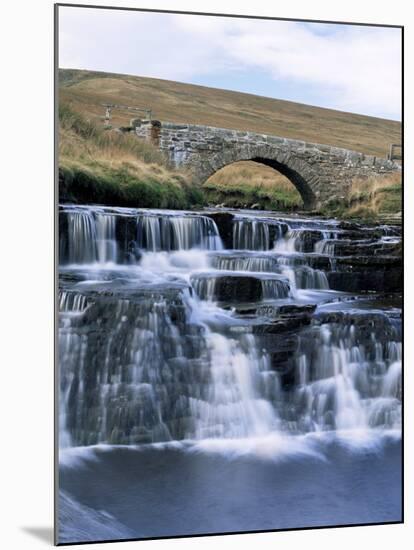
x,y
371,198
108,167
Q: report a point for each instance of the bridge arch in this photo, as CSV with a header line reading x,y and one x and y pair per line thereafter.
x,y
319,172
299,172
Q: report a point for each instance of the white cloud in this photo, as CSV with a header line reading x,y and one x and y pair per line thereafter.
x,y
349,67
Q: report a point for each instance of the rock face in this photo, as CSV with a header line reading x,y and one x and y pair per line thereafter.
x,y
367,278
235,289
320,173
231,288
363,247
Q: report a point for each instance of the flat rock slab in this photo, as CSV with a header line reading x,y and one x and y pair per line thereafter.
x,y
236,288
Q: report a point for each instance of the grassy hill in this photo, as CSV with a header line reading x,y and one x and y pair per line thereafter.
x,y
83,92
179,102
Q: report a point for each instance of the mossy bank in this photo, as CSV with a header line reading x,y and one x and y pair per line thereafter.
x,y
108,167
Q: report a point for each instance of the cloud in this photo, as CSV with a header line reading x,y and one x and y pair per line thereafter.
x,y
345,67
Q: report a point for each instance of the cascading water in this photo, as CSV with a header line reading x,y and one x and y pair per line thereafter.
x,y
325,246
107,249
158,232
81,243
157,375
250,233
189,341
101,234
291,242
293,267
233,407
344,384
245,263
165,335
306,277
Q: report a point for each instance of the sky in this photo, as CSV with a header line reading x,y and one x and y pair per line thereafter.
x,y
346,67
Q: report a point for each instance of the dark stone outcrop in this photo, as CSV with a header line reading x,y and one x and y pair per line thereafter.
x,y
365,247
283,323
275,311
378,281
126,235
367,273
308,238
230,288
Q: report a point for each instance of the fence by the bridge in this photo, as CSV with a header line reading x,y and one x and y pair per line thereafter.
x,y
395,152
110,106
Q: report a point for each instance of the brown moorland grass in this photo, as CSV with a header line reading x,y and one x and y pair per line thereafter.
x,y
375,197
180,102
249,183
122,160
109,167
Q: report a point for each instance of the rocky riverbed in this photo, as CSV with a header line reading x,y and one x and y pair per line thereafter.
x,y
221,329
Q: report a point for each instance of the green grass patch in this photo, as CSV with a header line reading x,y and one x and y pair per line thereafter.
x,y
106,167
246,195
369,199
81,185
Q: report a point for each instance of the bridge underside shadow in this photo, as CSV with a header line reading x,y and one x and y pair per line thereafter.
x,y
308,197
294,176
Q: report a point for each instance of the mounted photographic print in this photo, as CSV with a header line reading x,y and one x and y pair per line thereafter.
x,y
229,274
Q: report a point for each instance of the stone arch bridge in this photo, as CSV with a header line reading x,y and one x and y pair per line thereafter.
x,y
321,173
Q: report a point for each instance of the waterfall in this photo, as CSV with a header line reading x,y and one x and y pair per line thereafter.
x,y
325,247
205,287
72,302
148,381
161,232
114,388
105,238
340,386
157,373
89,237
290,243
251,235
275,288
233,407
165,335
303,240
102,235
307,278
300,276
82,238
71,356
246,263
149,233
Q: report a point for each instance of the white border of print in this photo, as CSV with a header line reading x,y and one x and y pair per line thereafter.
x,y
26,229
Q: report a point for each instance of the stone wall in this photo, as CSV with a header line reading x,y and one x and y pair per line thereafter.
x,y
320,172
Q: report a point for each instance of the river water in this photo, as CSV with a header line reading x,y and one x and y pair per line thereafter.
x,y
225,371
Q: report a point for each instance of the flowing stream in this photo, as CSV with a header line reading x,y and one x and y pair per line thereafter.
x,y
231,333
